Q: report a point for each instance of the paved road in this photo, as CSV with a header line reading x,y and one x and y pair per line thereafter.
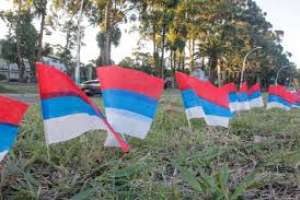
x,y
29,98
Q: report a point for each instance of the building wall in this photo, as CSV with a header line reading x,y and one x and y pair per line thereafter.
x,y
12,72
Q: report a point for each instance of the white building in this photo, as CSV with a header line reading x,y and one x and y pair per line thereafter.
x,y
11,71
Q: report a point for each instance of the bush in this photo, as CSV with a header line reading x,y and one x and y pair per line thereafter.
x,y
2,77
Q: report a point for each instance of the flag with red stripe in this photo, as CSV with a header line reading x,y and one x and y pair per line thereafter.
x,y
67,111
130,99
11,115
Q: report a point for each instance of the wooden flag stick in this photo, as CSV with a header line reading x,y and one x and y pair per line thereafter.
x,y
189,123
47,146
48,152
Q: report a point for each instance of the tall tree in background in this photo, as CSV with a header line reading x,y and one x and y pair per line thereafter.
x,y
221,32
108,14
23,35
115,37
40,9
64,18
156,19
216,34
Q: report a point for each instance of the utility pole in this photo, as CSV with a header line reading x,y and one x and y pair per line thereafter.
x,y
245,62
277,75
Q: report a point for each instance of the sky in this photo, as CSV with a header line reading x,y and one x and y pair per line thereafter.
x,y
283,14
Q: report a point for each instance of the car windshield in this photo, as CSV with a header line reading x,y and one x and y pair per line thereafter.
x,y
91,82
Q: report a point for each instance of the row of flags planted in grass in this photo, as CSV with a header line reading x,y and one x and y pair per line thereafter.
x,y
218,105
130,100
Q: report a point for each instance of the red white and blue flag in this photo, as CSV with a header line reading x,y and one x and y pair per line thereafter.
x,y
243,98
11,115
279,97
214,102
67,111
296,100
230,88
192,105
254,97
130,99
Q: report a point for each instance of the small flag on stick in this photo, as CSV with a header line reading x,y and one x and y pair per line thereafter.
x,y
254,96
11,115
214,101
279,97
130,99
230,88
243,98
192,105
296,100
67,111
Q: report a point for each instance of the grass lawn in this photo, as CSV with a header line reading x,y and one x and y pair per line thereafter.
x,y
257,158
17,88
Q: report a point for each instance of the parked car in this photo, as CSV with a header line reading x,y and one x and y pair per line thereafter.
x,y
91,87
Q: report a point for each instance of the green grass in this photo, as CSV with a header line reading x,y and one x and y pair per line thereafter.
x,y
257,158
17,88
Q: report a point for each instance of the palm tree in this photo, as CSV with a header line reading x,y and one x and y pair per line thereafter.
x,y
115,36
40,9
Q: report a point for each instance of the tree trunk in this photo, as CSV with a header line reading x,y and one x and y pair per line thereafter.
x,y
106,51
154,43
183,59
20,62
66,48
219,73
41,34
156,61
163,50
213,62
171,58
191,52
174,60
22,71
173,65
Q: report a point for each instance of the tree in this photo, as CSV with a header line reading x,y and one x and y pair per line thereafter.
x,y
64,18
40,9
156,18
108,14
115,37
139,61
22,38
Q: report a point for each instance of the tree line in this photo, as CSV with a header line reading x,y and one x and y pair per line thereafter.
x,y
184,34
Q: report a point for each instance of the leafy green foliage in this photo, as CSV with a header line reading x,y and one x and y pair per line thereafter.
x,y
25,32
140,61
217,34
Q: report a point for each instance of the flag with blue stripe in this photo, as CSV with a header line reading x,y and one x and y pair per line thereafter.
x,y
67,111
11,115
279,97
192,105
130,99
